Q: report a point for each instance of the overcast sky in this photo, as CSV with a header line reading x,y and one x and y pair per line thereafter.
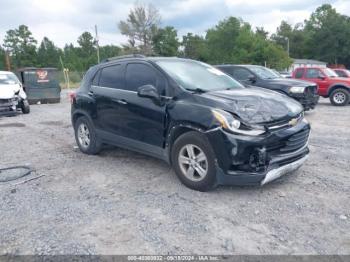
x,y
64,20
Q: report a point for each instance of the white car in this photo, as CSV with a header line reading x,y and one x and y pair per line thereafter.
x,y
12,95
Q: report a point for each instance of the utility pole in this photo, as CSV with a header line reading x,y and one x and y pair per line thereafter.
x,y
7,61
97,46
287,39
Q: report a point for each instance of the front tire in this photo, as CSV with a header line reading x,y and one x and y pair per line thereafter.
x,y
85,136
340,97
25,107
193,160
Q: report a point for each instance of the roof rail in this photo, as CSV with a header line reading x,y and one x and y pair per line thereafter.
x,y
122,57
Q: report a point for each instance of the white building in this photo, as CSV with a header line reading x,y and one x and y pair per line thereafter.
x,y
306,63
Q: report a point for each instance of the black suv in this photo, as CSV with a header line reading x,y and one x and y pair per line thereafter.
x,y
210,128
253,75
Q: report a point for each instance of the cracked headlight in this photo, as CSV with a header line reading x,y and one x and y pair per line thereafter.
x,y
297,89
234,125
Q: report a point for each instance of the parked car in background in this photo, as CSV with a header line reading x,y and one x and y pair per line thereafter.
x,y
286,74
40,84
329,83
253,75
209,127
12,95
341,72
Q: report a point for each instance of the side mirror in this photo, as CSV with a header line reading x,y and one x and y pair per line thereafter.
x,y
148,91
321,77
252,79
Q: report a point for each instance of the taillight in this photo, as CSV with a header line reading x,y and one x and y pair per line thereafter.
x,y
72,96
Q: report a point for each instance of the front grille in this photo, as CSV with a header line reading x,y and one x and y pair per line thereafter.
x,y
5,101
310,90
292,144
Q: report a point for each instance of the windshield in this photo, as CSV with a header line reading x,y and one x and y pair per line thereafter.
x,y
330,72
197,76
8,79
264,73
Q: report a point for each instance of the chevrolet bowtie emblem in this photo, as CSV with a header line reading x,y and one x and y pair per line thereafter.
x,y
293,122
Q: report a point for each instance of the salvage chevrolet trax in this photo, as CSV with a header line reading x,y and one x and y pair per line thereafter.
x,y
210,128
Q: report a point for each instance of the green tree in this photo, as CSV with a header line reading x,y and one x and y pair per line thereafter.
x,y
2,59
109,51
87,43
22,46
221,40
140,27
71,58
48,54
86,51
194,47
234,41
328,35
165,42
296,36
260,31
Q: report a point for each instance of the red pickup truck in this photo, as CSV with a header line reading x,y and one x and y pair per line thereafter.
x,y
329,83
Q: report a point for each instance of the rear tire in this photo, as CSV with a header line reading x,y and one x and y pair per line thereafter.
x,y
193,160
340,97
85,136
25,107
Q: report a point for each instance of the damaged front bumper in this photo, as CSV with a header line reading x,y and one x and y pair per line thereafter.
x,y
9,106
248,160
308,101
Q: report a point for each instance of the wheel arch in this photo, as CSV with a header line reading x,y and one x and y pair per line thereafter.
x,y
179,128
338,86
80,113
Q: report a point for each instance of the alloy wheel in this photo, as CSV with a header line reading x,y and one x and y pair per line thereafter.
x,y
84,135
193,162
339,97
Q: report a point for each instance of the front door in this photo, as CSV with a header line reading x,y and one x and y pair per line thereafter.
x,y
315,75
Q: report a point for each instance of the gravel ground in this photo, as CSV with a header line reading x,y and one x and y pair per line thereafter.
x,y
121,202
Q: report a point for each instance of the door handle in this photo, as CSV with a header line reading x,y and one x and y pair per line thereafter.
x,y
120,101
91,93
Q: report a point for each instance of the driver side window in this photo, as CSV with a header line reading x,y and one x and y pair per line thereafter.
x,y
241,74
313,73
138,74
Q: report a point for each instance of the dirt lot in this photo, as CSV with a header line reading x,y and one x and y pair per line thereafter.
x,y
121,202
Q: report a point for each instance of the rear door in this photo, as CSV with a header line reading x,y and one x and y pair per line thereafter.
x,y
105,90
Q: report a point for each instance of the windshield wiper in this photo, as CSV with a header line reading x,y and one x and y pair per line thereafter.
x,y
196,90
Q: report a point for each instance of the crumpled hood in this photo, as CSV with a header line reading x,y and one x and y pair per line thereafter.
x,y
255,105
8,91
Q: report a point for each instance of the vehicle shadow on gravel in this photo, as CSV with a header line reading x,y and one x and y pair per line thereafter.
x,y
111,153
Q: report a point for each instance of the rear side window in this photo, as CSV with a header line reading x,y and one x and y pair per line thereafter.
x,y
96,78
112,76
299,73
340,73
140,74
241,74
226,70
312,73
